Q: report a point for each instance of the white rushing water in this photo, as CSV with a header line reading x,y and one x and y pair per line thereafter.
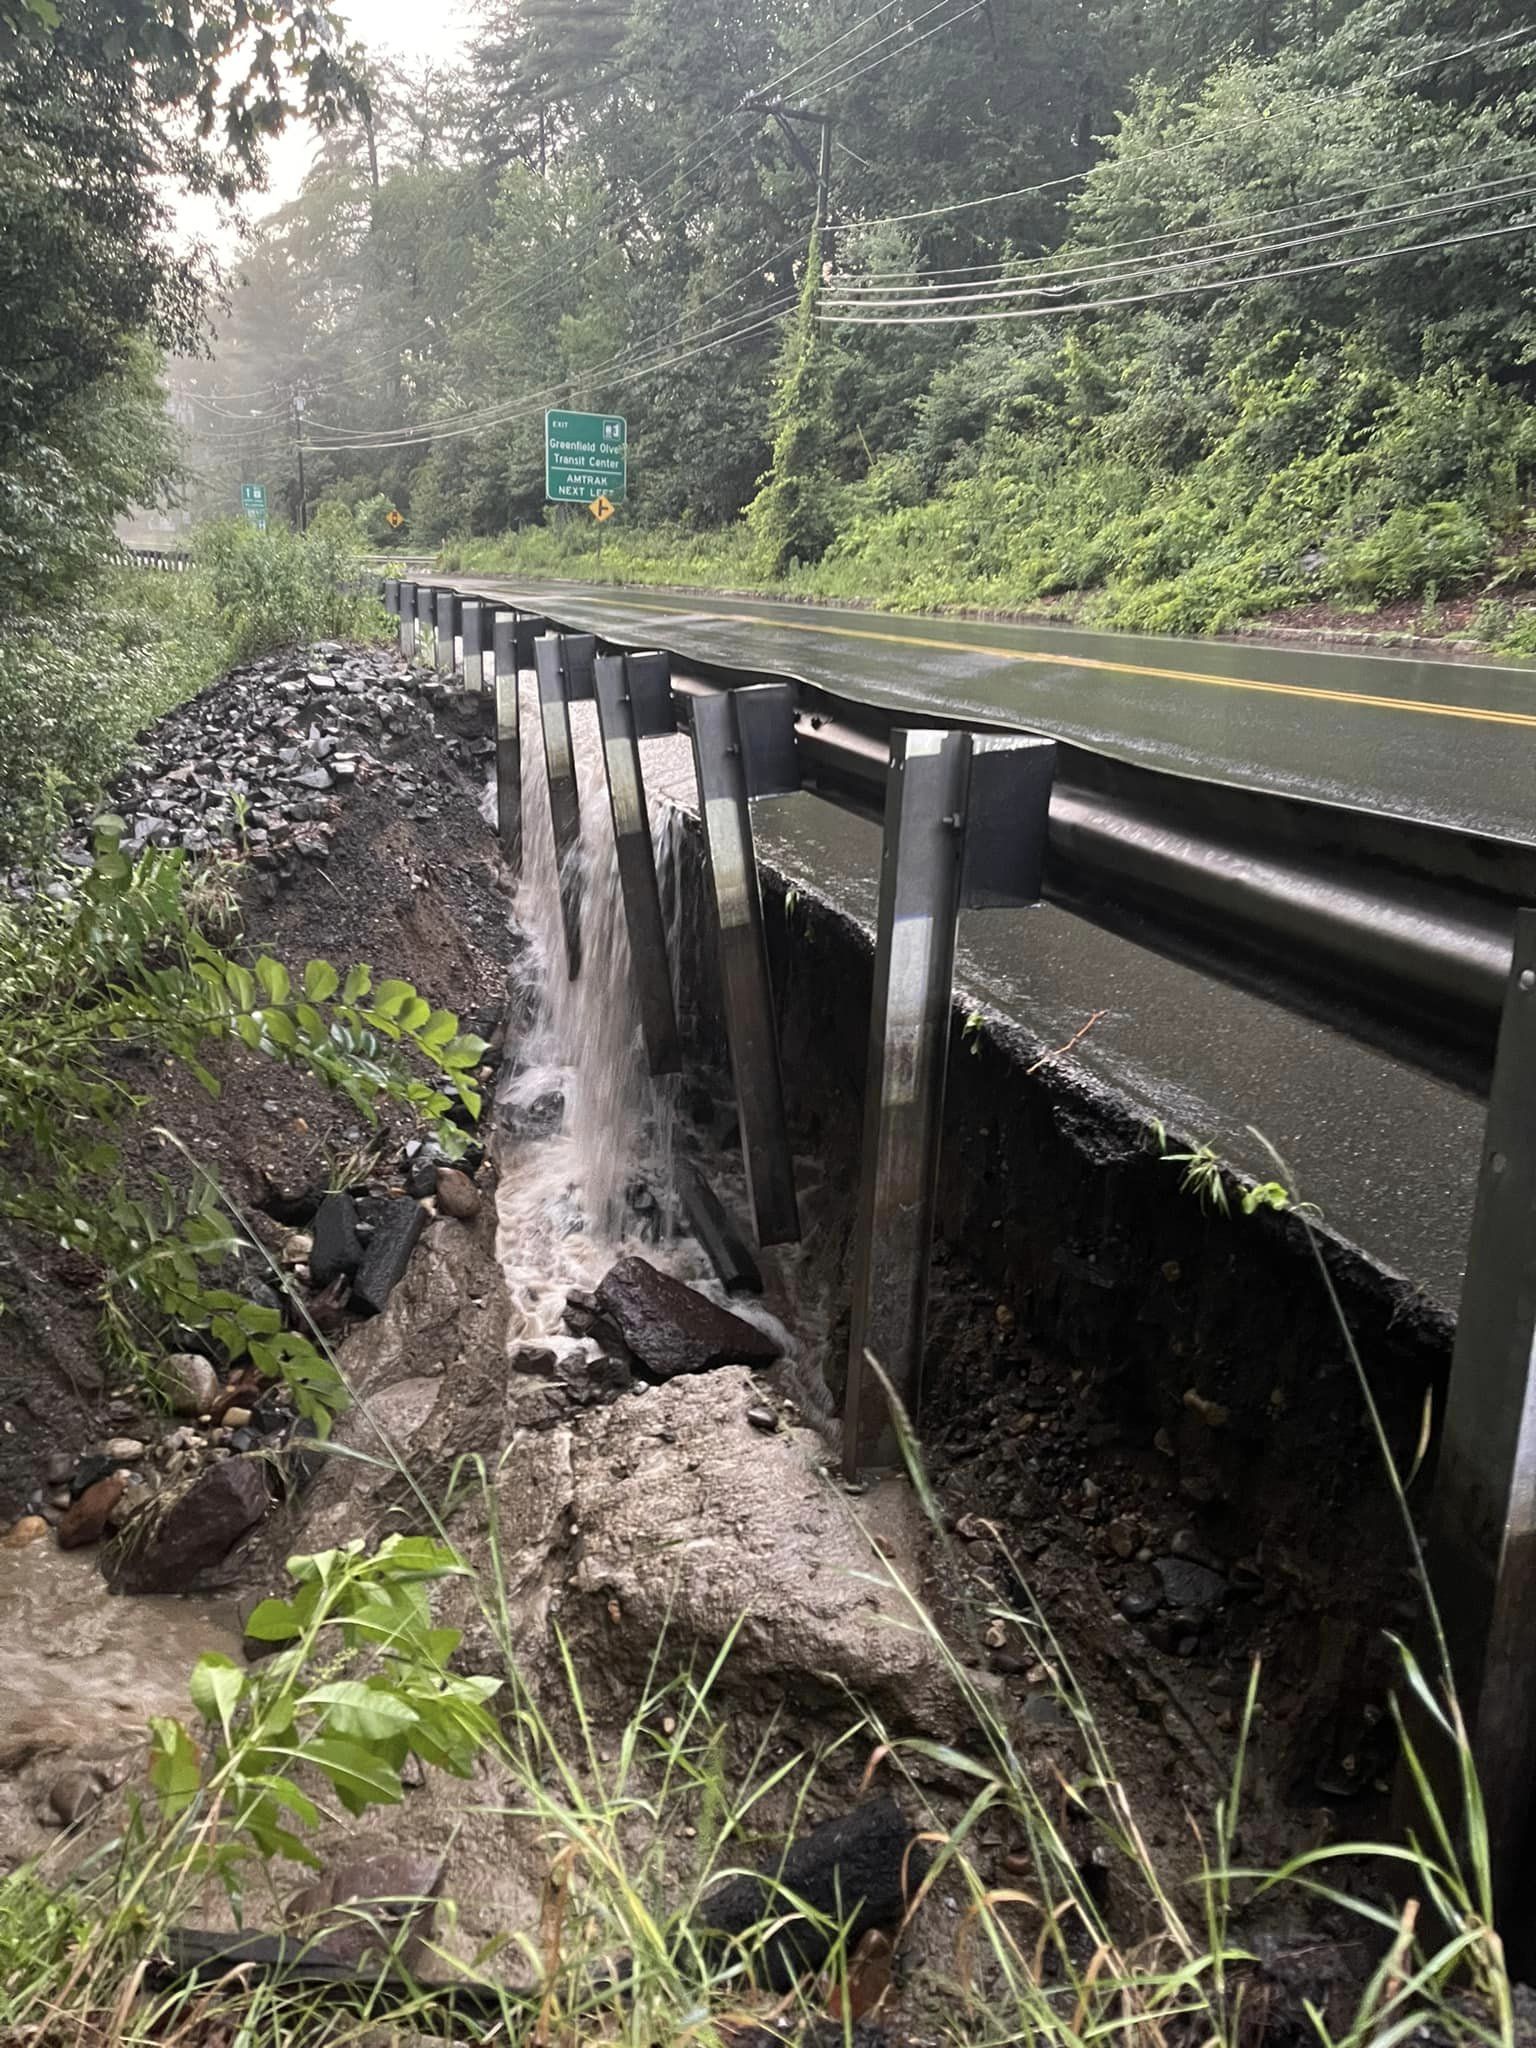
x,y
589,1137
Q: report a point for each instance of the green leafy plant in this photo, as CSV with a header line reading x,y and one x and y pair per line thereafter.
x,y
359,1683
115,965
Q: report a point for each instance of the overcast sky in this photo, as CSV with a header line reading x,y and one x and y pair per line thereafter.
x,y
408,30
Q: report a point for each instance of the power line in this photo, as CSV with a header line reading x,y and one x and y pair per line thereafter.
x,y
1170,148
1411,211
1006,270
651,370
660,337
1219,284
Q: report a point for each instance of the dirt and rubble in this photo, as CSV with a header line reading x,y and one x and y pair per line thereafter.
x,y
659,1471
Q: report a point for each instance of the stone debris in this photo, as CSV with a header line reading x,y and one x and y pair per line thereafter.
x,y
457,1194
396,1227
336,1250
669,1328
86,1520
164,1547
189,1383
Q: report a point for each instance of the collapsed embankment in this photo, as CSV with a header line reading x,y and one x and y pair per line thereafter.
x,y
1148,1449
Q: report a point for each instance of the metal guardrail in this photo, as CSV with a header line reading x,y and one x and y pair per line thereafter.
x,y
1410,936
1394,931
174,561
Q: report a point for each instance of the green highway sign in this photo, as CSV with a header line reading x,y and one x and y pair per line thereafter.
x,y
253,503
585,457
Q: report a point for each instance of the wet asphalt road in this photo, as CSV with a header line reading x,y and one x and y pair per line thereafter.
x,y
1451,742
1388,1154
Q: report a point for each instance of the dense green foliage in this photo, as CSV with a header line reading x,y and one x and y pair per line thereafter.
x,y
1254,326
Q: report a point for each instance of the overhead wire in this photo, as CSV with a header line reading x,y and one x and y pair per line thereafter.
x,y
1321,96
1351,261
1007,268
1171,262
528,410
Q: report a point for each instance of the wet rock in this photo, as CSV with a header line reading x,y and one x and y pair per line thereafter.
x,y
189,1382
73,1795
123,1450
27,1530
85,1521
762,1417
236,1418
1123,1536
170,1547
861,1870
421,1163
362,1907
536,1359
457,1194
396,1227
87,1471
671,1329
1188,1585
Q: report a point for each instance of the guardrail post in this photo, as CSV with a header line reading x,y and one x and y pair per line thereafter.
x,y
426,624
390,592
408,620
476,642
721,765
447,631
551,664
634,700
962,826
1482,1518
509,744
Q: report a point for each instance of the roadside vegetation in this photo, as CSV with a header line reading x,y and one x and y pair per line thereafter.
x,y
1162,318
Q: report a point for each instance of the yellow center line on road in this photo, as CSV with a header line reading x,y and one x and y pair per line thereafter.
x,y
1427,707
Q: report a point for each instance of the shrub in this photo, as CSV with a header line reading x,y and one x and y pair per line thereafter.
x,y
270,589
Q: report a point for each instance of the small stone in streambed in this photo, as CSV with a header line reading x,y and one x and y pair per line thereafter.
x,y
73,1794
122,1450
27,1530
189,1383
59,1467
196,1531
85,1521
457,1194
762,1417
236,1418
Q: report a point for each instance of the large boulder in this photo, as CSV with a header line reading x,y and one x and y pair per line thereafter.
x,y
164,1548
672,1329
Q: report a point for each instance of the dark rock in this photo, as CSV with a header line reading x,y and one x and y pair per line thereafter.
x,y
859,1871
534,1359
457,1194
1137,1606
87,1472
396,1227
421,1163
337,1250
85,1521
59,1467
371,1907
161,1552
671,1329
762,1417
1188,1585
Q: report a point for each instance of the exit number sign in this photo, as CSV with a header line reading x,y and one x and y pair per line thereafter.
x,y
585,457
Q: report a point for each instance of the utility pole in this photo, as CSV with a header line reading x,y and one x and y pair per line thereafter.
x,y
819,168
298,449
